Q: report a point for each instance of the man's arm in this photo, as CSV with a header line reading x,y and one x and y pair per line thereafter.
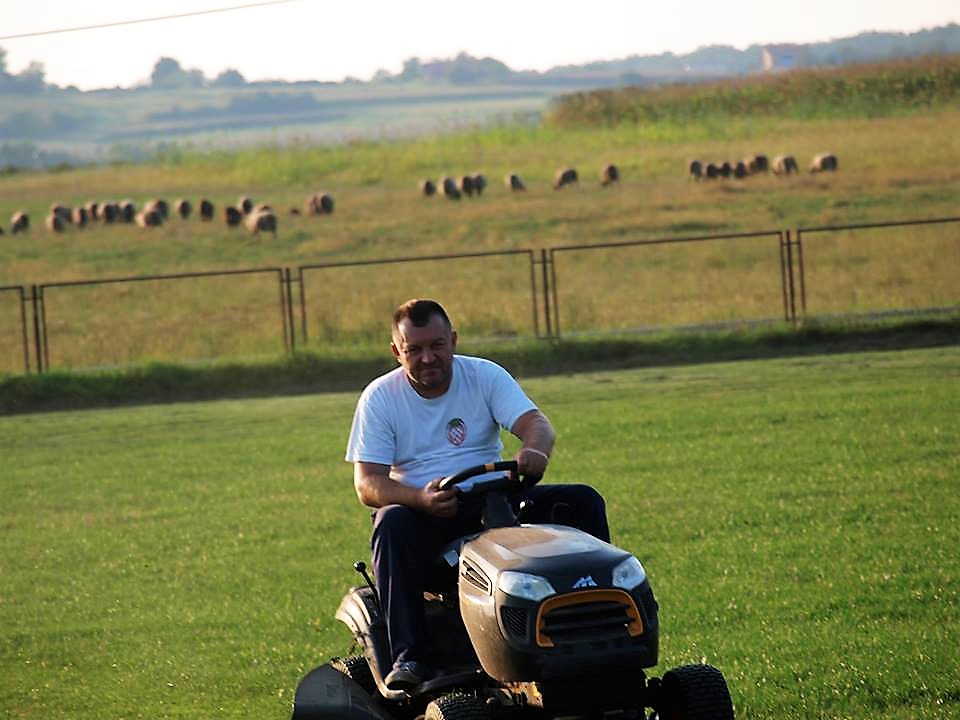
x,y
375,489
537,434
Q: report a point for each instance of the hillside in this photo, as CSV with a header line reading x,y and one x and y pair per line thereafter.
x,y
42,125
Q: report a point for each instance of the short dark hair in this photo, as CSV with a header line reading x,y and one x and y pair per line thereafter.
x,y
420,312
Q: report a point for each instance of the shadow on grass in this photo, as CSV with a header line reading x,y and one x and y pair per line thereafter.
x,y
309,373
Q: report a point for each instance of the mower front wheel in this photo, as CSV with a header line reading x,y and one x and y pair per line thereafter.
x,y
457,706
694,692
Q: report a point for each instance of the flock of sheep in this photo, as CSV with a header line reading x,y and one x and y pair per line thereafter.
x,y
154,213
754,164
475,184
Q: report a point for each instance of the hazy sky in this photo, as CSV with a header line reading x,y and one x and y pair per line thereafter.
x,y
321,40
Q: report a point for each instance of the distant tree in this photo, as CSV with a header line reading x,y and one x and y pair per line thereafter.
x,y
168,74
412,70
229,78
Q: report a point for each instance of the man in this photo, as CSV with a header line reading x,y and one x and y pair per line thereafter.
x,y
436,414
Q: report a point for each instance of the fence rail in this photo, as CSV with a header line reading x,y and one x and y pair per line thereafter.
x,y
492,288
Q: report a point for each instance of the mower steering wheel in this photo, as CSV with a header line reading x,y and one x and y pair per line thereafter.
x,y
454,480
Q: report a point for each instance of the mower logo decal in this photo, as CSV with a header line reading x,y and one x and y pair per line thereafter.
x,y
583,582
456,431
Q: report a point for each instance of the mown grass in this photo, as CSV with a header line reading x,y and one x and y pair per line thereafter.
x,y
798,519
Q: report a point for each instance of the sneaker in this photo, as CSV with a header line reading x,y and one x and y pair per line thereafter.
x,y
406,675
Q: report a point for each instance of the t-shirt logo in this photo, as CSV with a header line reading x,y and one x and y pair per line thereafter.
x,y
456,431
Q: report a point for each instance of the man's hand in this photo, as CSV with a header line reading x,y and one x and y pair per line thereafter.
x,y
433,500
532,462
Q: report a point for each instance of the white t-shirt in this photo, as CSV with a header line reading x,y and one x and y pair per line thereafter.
x,y
425,438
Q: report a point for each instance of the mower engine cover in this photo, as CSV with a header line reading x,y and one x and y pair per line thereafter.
x,y
542,602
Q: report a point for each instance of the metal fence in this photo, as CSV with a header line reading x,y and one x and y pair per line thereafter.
x,y
701,281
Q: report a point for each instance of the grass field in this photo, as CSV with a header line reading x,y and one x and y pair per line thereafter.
x,y
798,518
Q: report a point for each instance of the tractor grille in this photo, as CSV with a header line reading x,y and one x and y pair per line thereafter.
x,y
514,621
588,616
474,576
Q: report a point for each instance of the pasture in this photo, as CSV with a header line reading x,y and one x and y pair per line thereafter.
x,y
798,518
381,215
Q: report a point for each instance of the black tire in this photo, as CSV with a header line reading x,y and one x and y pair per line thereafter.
x,y
694,692
457,706
357,669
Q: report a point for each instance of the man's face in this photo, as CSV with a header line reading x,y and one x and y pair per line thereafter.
x,y
426,354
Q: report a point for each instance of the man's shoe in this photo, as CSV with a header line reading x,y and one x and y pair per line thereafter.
x,y
406,675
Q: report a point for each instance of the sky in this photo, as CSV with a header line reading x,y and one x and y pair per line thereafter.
x,y
331,40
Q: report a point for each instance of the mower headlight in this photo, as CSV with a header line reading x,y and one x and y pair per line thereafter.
x,y
629,574
522,585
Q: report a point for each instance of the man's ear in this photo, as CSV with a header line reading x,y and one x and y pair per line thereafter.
x,y
395,351
453,339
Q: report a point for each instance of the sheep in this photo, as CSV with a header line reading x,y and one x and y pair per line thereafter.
x,y
756,164
740,170
711,171
158,206
19,222
565,176
609,175
465,185
64,213
726,169
107,212
695,170
80,216
232,216
149,218
206,210
244,205
428,188
127,211
784,165
261,220
450,189
183,208
514,183
54,222
479,183
319,204
92,207
824,162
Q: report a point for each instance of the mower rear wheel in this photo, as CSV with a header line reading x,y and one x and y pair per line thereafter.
x,y
694,692
457,706
356,668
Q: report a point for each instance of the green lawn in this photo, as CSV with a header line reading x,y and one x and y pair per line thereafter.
x,y
798,518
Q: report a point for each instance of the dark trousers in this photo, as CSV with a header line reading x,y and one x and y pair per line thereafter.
x,y
406,543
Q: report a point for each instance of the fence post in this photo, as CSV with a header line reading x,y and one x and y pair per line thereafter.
x,y
39,328
288,315
800,271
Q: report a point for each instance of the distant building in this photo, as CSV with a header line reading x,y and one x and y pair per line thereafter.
x,y
783,57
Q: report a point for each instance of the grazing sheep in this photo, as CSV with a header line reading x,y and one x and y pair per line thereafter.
x,y
80,216
565,176
514,183
450,188
479,183
784,165
726,169
19,222
183,208
319,204
63,212
260,220
206,210
711,171
158,206
54,222
756,164
695,170
824,162
232,216
740,170
126,211
92,209
108,212
465,185
609,175
245,205
149,218
428,188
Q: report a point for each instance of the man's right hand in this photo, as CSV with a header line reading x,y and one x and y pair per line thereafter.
x,y
433,500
